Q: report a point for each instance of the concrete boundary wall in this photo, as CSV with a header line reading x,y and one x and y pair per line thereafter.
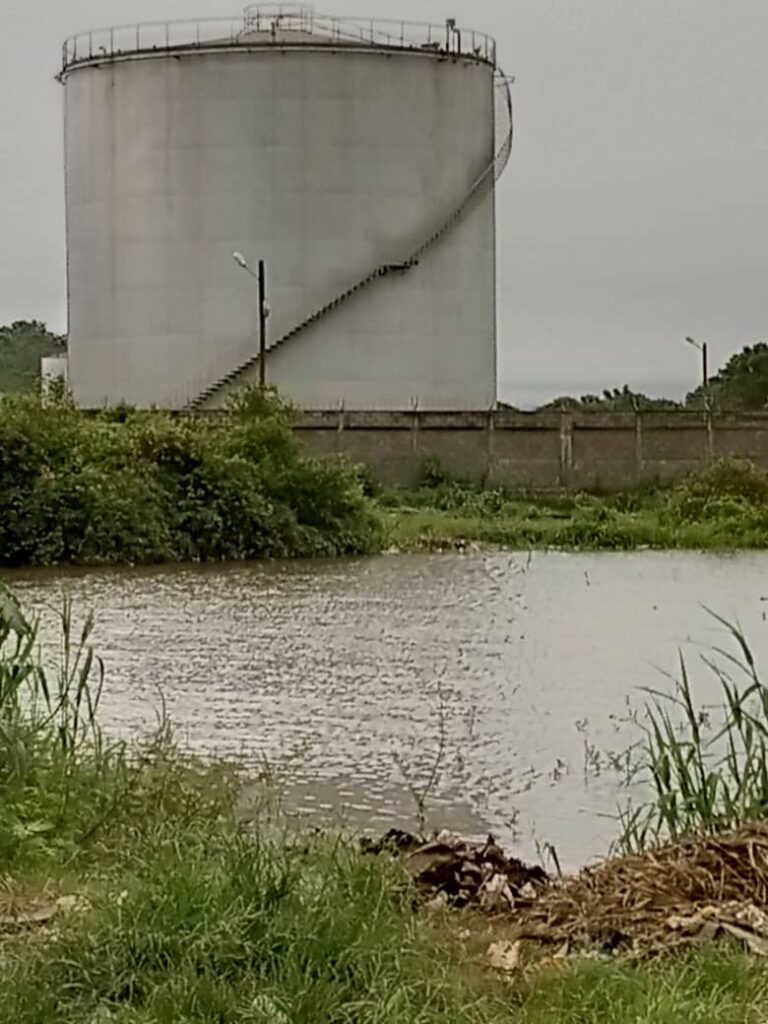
x,y
540,450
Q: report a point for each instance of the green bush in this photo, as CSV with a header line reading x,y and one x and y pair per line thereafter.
x,y
133,486
729,487
724,507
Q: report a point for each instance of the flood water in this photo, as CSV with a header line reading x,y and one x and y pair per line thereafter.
x,y
349,675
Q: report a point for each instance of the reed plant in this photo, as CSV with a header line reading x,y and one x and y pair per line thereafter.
x,y
67,791
52,752
707,766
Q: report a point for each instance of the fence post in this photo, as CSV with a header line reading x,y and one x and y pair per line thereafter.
x,y
415,425
566,449
340,427
710,424
638,446
490,474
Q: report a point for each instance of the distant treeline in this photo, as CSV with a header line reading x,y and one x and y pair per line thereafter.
x,y
741,384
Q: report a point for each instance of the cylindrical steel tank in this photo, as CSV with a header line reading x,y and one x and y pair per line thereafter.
x,y
356,158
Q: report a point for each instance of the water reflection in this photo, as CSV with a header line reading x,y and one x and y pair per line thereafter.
x,y
337,671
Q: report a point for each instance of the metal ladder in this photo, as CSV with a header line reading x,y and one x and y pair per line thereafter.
x,y
480,186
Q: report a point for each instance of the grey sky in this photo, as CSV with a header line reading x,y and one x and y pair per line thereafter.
x,y
633,211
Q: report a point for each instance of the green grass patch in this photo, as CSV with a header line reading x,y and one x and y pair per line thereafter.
x,y
228,928
722,508
716,985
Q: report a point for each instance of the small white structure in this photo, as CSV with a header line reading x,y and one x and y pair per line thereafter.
x,y
357,158
53,370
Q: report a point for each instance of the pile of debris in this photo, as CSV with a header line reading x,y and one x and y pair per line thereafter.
x,y
680,892
690,891
451,871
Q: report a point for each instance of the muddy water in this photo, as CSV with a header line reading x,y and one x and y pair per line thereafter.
x,y
350,676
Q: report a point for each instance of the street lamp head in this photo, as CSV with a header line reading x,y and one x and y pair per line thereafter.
x,y
692,341
240,260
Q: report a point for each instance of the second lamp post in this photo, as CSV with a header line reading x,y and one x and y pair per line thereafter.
x,y
702,347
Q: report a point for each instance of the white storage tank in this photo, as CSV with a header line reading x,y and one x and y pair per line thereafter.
x,y
356,158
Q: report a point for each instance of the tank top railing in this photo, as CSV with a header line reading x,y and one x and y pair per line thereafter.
x,y
274,24
213,380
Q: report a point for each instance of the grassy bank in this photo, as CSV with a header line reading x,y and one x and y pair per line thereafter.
x,y
136,487
126,486
133,892
724,507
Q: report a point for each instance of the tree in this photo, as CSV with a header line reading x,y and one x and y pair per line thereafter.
x,y
741,384
612,399
22,345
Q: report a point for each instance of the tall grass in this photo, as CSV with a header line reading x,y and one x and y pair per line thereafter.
x,y
708,767
65,788
50,743
236,929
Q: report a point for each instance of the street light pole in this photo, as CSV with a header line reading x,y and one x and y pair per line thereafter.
x,y
704,368
263,327
263,311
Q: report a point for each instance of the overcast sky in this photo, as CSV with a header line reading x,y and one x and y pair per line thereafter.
x,y
634,209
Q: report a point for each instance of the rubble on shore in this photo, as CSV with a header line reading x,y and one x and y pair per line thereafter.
x,y
684,892
451,871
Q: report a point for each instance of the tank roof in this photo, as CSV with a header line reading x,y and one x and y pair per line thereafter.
x,y
280,25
